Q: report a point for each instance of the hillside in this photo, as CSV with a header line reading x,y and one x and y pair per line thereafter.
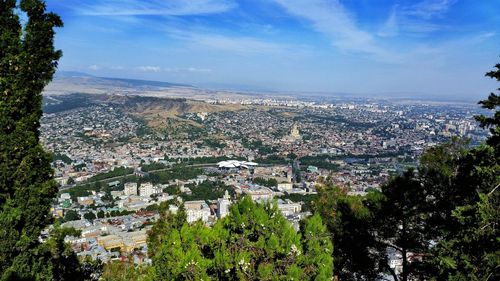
x,y
153,110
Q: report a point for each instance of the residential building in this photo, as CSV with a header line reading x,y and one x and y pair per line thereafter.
x,y
130,188
197,210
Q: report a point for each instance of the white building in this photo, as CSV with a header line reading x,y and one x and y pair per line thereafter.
x,y
231,164
258,193
288,207
130,188
147,189
65,196
285,186
223,205
197,210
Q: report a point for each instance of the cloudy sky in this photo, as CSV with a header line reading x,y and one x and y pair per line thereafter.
x,y
438,48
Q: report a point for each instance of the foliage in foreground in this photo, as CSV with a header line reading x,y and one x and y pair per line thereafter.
x,y
28,61
444,216
254,242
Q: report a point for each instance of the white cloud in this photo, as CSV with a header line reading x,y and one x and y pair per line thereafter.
x,y
149,68
152,7
188,69
416,18
116,67
391,26
198,70
429,8
242,45
235,44
335,21
332,19
94,67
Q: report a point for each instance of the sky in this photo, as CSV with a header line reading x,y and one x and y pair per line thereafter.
x,y
417,48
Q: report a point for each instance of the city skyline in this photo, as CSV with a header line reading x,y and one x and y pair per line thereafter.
x,y
396,48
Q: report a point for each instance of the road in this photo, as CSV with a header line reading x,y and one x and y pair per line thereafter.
x,y
66,187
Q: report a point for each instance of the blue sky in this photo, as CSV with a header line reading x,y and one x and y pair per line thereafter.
x,y
439,48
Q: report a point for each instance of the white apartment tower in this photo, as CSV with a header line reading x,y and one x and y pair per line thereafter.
x,y
146,190
130,188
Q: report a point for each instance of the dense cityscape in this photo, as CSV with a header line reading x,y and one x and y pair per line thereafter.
x,y
114,169
249,140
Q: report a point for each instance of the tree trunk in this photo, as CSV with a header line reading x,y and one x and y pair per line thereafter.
x,y
393,273
405,266
404,275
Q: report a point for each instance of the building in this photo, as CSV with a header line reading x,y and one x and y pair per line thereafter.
x,y
285,186
223,205
147,189
114,184
258,193
236,164
140,173
65,200
125,241
130,188
65,196
312,169
289,174
85,200
288,207
197,210
295,133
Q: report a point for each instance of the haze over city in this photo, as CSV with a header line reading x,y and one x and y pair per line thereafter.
x,y
419,49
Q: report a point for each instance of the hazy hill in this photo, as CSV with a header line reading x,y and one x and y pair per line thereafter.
x,y
154,110
71,82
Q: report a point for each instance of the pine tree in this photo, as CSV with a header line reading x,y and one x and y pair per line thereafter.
x,y
254,242
28,61
351,223
471,250
492,122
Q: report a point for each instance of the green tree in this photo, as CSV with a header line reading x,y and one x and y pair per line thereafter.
x,y
64,262
438,172
469,248
92,269
123,271
100,214
401,222
264,182
254,242
472,252
71,215
70,181
165,223
89,216
492,122
27,63
351,222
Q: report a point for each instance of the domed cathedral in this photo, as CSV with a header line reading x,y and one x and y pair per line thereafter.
x,y
295,133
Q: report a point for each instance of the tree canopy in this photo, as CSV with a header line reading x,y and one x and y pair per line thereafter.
x,y
254,242
28,61
441,219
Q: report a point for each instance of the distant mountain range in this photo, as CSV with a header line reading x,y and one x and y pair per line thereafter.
x,y
73,76
67,82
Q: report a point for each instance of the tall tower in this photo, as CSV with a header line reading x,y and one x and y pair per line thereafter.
x,y
223,205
